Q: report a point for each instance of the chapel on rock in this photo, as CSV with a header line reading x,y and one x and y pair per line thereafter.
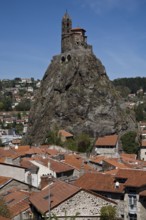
x,y
72,38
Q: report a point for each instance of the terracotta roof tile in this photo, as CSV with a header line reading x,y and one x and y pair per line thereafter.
x,y
98,182
143,193
109,140
59,192
135,178
97,159
56,166
4,180
34,150
112,172
25,162
3,218
77,162
17,201
132,156
114,162
46,149
77,29
65,133
22,148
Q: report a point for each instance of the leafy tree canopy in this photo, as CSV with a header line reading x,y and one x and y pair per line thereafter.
x,y
140,112
24,105
133,84
129,142
108,213
52,137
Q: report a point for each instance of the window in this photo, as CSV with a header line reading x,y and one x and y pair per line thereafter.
x,y
132,200
132,217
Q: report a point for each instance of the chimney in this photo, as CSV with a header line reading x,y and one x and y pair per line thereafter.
x,y
46,180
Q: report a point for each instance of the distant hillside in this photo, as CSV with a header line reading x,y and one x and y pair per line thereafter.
x,y
133,84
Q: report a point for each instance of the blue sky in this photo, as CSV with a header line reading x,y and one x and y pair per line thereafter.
x,y
30,34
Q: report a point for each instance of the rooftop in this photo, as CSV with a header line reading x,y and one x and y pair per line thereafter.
x,y
109,140
59,192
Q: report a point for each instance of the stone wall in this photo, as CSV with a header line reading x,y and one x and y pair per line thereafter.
x,y
84,203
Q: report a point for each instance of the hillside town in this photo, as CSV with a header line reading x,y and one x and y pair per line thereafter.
x,y
49,180
68,175
31,175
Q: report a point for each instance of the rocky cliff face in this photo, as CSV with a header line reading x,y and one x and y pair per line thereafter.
x,y
76,95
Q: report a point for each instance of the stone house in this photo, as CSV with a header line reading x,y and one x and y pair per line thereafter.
x,y
127,187
64,135
47,166
79,164
107,145
7,183
96,161
17,202
61,198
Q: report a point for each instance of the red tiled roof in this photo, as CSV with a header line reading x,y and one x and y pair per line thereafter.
x,y
22,148
98,182
59,192
114,162
109,140
132,156
112,172
97,159
135,178
56,166
26,162
46,149
4,180
7,153
4,218
17,201
65,133
77,162
34,150
143,193
77,29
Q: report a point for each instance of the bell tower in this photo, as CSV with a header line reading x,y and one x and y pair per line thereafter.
x,y
66,32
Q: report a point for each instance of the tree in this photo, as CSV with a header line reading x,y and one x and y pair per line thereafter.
x,y
7,104
83,143
24,105
19,128
4,211
129,143
52,137
70,144
139,113
108,213
1,106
